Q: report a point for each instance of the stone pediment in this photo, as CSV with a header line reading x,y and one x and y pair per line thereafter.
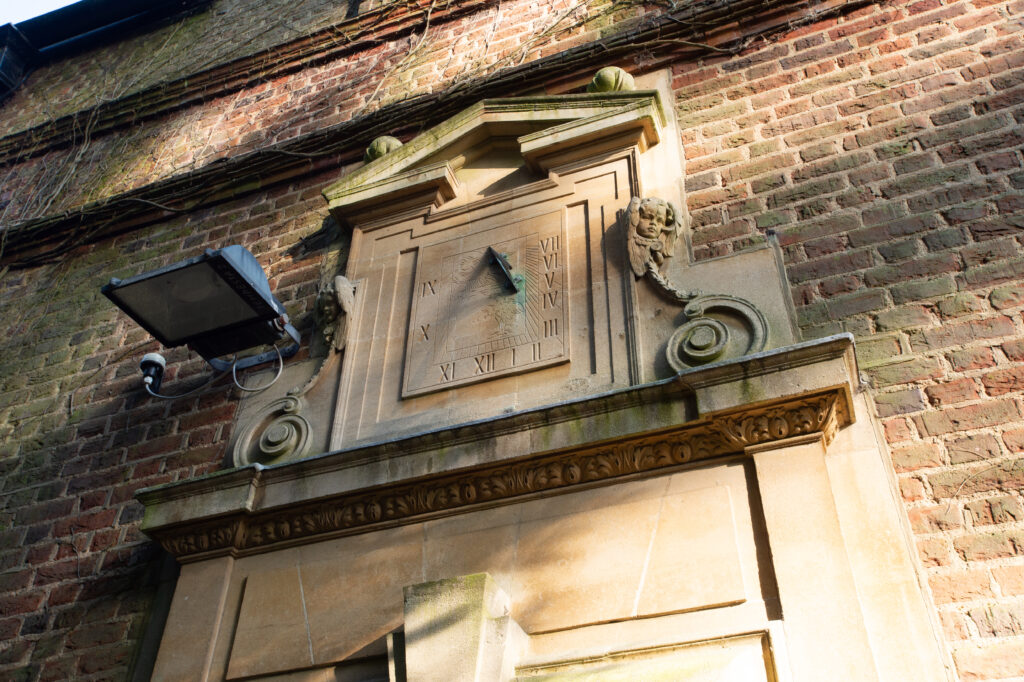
x,y
495,148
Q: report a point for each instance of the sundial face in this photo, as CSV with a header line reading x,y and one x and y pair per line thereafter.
x,y
475,318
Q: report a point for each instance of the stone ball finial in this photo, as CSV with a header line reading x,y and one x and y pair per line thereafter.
x,y
381,146
611,79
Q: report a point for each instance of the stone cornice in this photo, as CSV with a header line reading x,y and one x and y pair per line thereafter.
x,y
713,21
639,431
242,533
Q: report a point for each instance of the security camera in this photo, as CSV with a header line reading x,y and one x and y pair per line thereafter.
x,y
152,367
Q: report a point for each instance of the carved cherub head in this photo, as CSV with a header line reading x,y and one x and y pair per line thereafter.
x,y
334,302
653,225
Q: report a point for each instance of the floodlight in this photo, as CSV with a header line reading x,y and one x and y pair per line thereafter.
x,y
218,303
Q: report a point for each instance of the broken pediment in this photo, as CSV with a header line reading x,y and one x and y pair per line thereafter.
x,y
496,147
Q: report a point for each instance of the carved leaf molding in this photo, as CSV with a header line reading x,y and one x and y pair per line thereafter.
x,y
406,502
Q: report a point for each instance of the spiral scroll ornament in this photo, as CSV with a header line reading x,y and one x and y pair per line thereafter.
x,y
717,327
277,433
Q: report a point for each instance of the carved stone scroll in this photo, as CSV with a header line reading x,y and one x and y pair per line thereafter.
x,y
724,435
717,327
279,431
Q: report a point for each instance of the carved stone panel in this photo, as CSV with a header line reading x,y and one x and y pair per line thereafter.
x,y
488,304
487,261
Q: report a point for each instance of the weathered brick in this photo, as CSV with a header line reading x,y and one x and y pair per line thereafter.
x,y
899,402
961,304
952,392
1004,381
925,266
983,477
905,371
960,586
993,273
998,620
886,133
1007,296
959,333
934,519
992,510
984,144
917,456
1014,350
1010,578
873,350
918,290
942,240
988,546
887,231
998,660
977,416
934,551
971,358
806,190
973,448
954,133
718,113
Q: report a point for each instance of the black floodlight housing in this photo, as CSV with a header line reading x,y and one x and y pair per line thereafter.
x,y
218,303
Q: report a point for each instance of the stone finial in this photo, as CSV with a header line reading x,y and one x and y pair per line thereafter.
x,y
611,79
381,146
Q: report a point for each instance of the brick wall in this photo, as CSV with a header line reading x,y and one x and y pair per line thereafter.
x,y
885,150
883,145
79,438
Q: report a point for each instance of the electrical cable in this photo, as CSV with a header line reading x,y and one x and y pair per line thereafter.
x,y
280,368
189,392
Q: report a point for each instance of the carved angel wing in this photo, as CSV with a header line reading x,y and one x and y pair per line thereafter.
x,y
673,228
346,294
639,252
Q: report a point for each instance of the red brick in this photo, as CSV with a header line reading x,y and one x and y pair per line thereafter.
x,y
96,634
977,416
1010,578
972,358
206,417
83,522
992,510
1004,381
934,519
934,551
1014,439
898,430
912,489
973,448
960,333
25,602
952,392
905,371
988,546
983,477
960,586
917,456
